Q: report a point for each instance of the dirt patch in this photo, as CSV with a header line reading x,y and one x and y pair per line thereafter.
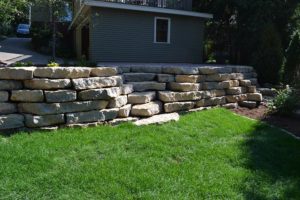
x,y
291,124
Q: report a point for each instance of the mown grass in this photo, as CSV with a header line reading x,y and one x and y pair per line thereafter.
x,y
208,155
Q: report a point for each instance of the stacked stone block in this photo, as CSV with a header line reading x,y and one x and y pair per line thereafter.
x,y
32,97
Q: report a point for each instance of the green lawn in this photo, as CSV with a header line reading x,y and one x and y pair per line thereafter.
x,y
208,155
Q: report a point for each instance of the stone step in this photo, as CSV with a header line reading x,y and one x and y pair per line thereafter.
x,y
141,97
146,110
158,119
248,104
139,77
148,86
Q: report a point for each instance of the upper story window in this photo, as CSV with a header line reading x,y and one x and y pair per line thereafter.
x,y
162,30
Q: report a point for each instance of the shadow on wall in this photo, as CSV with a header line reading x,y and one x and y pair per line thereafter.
x,y
275,160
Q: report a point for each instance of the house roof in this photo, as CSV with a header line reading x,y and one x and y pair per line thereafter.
x,y
103,4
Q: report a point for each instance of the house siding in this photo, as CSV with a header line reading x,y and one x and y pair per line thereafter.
x,y
128,36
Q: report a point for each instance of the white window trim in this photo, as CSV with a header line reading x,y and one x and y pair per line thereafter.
x,y
169,30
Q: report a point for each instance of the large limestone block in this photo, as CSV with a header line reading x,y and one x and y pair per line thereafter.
x,y
208,70
233,83
118,102
230,106
60,96
234,91
27,95
165,78
236,98
180,70
119,121
184,87
218,77
213,93
248,104
141,97
139,77
100,94
251,89
237,76
217,101
158,119
92,116
7,108
104,71
11,121
215,85
147,69
168,96
245,83
190,78
59,108
127,89
4,96
17,73
124,111
47,84
62,72
178,106
255,97
243,69
97,82
146,110
10,85
148,85
42,121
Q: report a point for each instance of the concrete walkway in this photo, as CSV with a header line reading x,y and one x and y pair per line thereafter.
x,y
19,50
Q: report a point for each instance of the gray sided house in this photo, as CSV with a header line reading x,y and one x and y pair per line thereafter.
x,y
155,31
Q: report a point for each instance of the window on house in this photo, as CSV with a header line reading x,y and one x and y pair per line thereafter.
x,y
162,30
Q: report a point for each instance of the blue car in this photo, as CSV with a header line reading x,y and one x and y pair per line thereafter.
x,y
23,30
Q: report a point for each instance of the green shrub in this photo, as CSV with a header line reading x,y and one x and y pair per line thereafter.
x,y
285,103
53,64
23,64
292,63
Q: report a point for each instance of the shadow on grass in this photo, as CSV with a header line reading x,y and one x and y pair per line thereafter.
x,y
274,159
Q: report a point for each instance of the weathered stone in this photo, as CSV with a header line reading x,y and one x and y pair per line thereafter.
x,y
178,106
230,106
254,97
208,70
232,83
253,81
124,111
16,73
236,98
58,108
180,70
213,93
104,71
117,121
139,77
147,69
3,96
10,85
126,89
141,97
42,121
251,89
118,102
97,82
234,91
148,85
92,116
245,83
100,94
62,72
211,102
146,110
190,78
11,121
168,96
83,125
27,95
215,85
248,104
237,76
123,69
60,96
242,69
47,84
268,92
158,119
184,87
218,77
165,78
7,108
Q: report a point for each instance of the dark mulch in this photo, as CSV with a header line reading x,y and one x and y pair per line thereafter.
x,y
291,124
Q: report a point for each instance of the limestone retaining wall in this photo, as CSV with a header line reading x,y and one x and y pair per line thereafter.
x,y
79,96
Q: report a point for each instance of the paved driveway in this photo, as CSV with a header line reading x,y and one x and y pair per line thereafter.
x,y
18,49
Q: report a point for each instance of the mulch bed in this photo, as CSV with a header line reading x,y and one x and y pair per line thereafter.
x,y
291,124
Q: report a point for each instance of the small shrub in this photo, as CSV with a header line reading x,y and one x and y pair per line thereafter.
x,y
53,64
23,64
285,103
